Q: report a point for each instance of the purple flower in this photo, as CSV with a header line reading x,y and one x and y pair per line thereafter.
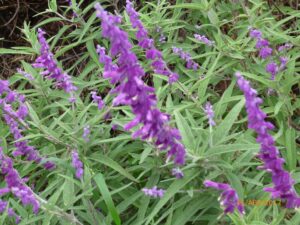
x,y
86,133
177,173
16,185
47,62
254,33
261,43
107,116
154,192
71,5
26,75
10,211
72,99
158,64
228,199
265,52
14,112
286,46
269,154
283,61
98,100
204,39
105,59
190,64
131,90
77,164
209,113
162,37
272,68
114,127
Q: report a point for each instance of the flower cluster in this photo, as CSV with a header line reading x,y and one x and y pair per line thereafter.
x,y
269,154
261,44
132,91
177,172
190,63
77,164
210,113
98,100
265,51
10,211
26,75
86,133
47,62
154,192
204,40
147,43
162,37
15,184
229,198
13,117
286,46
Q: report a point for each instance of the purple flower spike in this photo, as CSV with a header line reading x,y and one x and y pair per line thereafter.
x,y
132,91
272,68
14,112
190,64
10,211
228,199
261,43
158,64
77,164
204,40
105,59
177,173
162,37
26,75
254,33
286,46
16,185
154,192
283,61
265,52
269,154
210,114
86,133
98,100
47,62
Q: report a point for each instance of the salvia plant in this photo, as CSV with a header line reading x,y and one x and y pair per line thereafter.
x,y
152,112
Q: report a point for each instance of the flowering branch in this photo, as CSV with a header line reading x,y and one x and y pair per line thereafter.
x,y
158,64
132,91
269,154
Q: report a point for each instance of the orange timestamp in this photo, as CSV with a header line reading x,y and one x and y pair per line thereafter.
x,y
258,202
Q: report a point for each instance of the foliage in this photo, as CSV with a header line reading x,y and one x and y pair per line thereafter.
x,y
117,167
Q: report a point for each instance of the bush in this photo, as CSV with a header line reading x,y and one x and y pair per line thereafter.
x,y
133,113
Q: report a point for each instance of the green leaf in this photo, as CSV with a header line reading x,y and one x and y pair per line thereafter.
x,y
196,6
171,191
221,149
290,143
114,165
185,131
53,5
68,191
222,130
100,181
13,51
213,17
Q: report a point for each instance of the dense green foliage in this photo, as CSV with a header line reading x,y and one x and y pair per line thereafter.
x,y
117,167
